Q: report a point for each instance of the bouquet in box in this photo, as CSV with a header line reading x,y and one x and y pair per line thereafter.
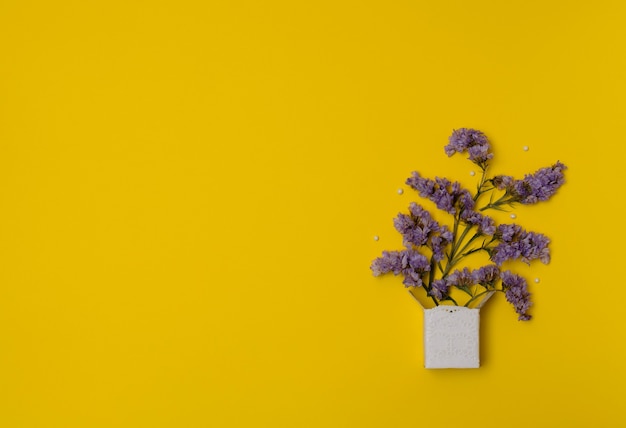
x,y
433,254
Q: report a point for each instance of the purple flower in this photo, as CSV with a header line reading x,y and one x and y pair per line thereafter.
x,y
486,225
444,193
472,141
391,261
424,186
502,181
461,278
516,243
440,242
534,188
439,289
411,264
516,292
486,275
417,227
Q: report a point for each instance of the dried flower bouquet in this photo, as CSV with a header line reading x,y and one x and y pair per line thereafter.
x,y
433,251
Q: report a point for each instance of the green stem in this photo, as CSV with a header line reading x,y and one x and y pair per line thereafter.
x,y
465,290
457,220
472,239
440,267
472,251
497,204
480,186
431,276
458,243
478,295
452,259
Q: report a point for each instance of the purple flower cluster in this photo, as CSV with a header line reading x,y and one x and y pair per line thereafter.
x,y
516,243
486,276
486,225
441,191
509,241
411,264
451,198
534,188
472,141
461,278
439,243
419,228
516,292
439,289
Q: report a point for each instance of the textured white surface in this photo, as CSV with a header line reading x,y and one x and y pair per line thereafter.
x,y
451,336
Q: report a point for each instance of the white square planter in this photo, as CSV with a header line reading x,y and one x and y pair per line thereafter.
x,y
451,337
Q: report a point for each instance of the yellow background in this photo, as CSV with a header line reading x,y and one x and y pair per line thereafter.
x,y
189,193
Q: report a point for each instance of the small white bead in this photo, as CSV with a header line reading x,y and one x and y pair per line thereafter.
x,y
376,238
400,191
536,279
525,148
513,216
472,173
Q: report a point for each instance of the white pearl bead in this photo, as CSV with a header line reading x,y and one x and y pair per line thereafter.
x,y
400,191
536,279
525,148
472,173
513,216
376,238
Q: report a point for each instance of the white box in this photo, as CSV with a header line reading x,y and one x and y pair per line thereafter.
x,y
451,337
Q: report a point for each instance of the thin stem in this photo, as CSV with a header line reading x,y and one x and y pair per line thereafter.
x,y
434,300
482,183
465,290
440,267
431,274
452,259
480,294
472,239
453,301
502,201
472,251
457,220
458,243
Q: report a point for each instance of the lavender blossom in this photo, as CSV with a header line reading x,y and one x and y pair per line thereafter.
x,y
486,276
516,292
503,182
439,289
411,264
472,141
391,261
444,193
486,225
534,188
516,243
508,241
461,278
417,227
440,242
